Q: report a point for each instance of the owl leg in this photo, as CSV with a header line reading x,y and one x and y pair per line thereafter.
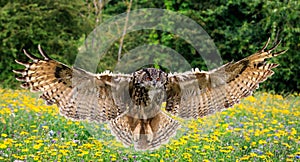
x,y
148,131
137,132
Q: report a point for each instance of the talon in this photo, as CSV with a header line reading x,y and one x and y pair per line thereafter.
x,y
149,132
136,132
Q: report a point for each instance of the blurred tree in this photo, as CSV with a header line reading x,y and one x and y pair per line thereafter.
x,y
238,28
58,26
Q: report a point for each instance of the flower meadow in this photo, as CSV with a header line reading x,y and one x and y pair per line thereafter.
x,y
265,127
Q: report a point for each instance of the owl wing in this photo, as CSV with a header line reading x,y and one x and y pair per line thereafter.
x,y
197,93
80,95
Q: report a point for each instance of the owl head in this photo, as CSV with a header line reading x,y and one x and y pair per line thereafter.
x,y
150,78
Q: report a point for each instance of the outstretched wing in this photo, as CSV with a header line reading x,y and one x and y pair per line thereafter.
x,y
198,93
80,95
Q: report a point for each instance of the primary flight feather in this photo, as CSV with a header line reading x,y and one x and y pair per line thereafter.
x,y
131,103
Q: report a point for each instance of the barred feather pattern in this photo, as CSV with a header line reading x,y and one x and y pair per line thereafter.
x,y
80,95
131,103
198,93
145,134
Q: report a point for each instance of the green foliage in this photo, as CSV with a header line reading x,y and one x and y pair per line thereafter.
x,y
56,25
238,28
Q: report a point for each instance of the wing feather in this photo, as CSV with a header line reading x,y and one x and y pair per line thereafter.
x,y
162,128
198,93
80,95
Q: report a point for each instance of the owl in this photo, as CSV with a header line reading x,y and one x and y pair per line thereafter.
x,y
131,104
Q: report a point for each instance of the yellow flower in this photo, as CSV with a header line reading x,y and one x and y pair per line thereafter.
x,y
186,155
27,141
45,127
261,142
8,141
201,153
98,154
269,153
25,150
38,146
225,151
253,154
230,148
4,111
88,145
3,146
53,153
262,156
194,147
24,133
85,152
4,135
247,138
293,131
80,155
64,152
251,99
155,155
206,147
286,145
39,141
36,158
237,129
246,157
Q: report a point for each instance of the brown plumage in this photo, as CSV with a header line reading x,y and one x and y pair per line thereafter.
x,y
131,103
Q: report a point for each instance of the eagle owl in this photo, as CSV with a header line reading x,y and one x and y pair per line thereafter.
x,y
131,103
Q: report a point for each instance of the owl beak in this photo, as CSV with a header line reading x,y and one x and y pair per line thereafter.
x,y
154,82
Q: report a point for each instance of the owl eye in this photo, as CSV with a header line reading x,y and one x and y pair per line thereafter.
x,y
158,79
148,79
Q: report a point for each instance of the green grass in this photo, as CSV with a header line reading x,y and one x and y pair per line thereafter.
x,y
262,128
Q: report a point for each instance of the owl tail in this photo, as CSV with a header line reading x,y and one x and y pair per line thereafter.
x,y
144,134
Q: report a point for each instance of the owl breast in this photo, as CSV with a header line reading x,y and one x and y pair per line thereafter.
x,y
147,93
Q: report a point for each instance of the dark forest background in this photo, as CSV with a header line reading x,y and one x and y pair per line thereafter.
x,y
238,28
